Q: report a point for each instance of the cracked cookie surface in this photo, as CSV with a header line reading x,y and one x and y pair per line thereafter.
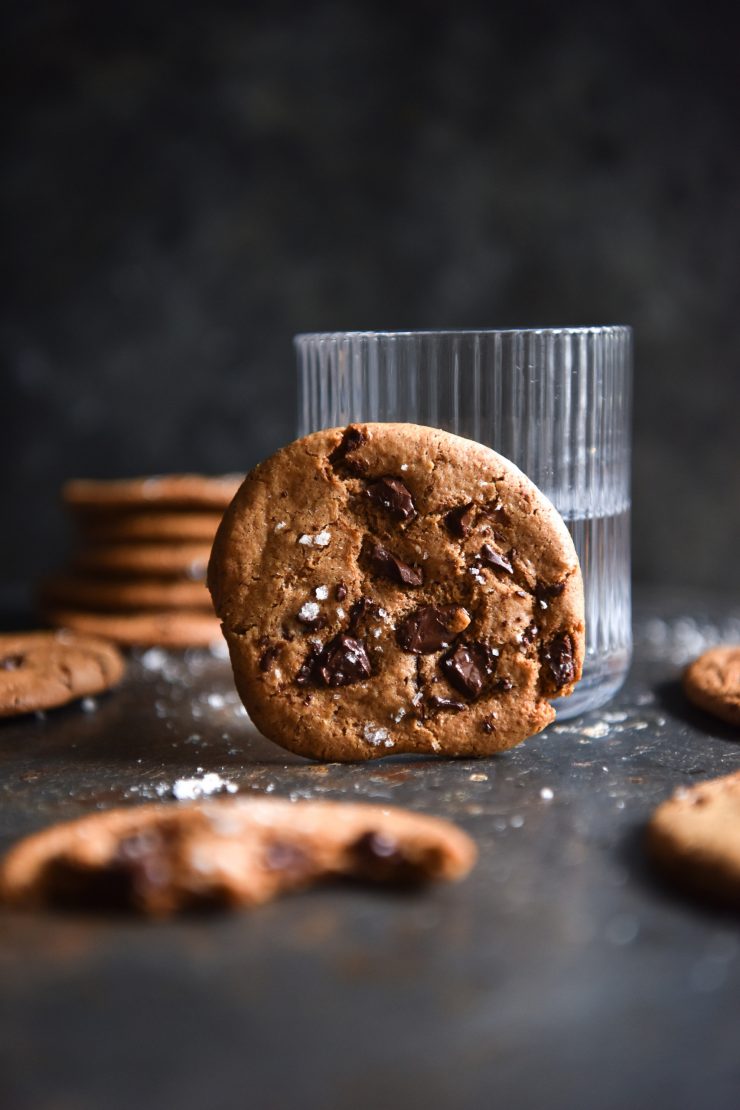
x,y
389,588
42,670
161,859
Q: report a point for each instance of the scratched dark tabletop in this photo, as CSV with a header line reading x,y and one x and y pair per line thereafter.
x,y
561,973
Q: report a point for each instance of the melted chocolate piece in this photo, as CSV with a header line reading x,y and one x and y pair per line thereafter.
x,y
363,607
394,496
340,591
557,662
269,656
494,559
487,725
529,635
459,520
428,629
12,662
343,661
436,702
353,438
468,667
545,593
137,874
305,671
385,563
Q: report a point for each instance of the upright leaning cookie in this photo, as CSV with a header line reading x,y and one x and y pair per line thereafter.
x,y
393,588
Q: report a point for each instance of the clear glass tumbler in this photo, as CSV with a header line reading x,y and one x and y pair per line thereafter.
x,y
556,401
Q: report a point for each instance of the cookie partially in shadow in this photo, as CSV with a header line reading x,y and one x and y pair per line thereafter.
x,y
694,838
391,588
163,859
42,670
177,628
713,682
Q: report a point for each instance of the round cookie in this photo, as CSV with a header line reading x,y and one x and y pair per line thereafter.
x,y
694,838
393,588
42,670
112,594
150,859
175,628
147,559
135,527
163,491
713,682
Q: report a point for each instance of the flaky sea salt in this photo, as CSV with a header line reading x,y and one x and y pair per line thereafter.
x,y
309,611
398,715
321,592
187,790
321,539
404,466
546,794
376,734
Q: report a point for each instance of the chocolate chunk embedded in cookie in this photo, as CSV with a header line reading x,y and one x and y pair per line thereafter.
x,y
713,682
694,838
42,670
364,606
163,859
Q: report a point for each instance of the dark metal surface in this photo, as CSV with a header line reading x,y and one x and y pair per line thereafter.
x,y
560,973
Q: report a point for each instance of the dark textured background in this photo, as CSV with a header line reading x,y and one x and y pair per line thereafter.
x,y
186,186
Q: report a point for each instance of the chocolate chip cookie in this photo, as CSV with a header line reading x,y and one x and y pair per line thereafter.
x,y
713,682
124,594
174,628
147,559
165,491
158,527
162,859
391,588
694,838
42,670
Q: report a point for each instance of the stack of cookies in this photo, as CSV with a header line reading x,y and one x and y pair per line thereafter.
x,y
138,575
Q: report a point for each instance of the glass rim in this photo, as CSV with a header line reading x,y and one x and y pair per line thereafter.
x,y
599,329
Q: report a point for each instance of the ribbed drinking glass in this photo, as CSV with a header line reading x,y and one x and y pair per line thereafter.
x,y
556,401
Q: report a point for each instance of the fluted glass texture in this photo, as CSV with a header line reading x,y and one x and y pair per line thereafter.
x,y
556,401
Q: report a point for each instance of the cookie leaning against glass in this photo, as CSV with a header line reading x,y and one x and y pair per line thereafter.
x,y
392,588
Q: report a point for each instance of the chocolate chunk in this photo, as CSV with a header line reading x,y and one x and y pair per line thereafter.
x,y
459,520
363,607
12,662
468,667
385,563
137,874
494,559
268,657
504,685
436,702
305,671
487,724
342,661
431,628
394,496
557,662
529,635
545,593
353,438
340,591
